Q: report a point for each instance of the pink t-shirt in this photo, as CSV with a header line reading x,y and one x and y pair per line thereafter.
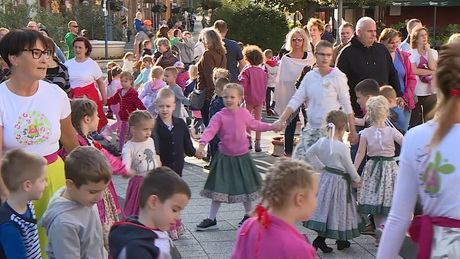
x,y
254,80
231,127
381,141
279,240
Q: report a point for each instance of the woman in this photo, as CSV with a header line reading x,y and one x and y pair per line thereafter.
x,y
166,58
83,72
429,168
423,60
57,50
35,115
56,72
291,64
391,39
213,57
163,32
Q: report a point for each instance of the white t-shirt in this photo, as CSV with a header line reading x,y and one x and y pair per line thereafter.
x,y
128,66
82,73
140,156
433,174
33,123
421,89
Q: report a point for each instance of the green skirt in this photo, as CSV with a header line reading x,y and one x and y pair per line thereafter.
x,y
232,179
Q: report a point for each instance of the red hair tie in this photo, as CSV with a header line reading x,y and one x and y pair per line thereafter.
x,y
262,216
454,92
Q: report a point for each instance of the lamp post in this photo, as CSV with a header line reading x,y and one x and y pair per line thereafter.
x,y
104,10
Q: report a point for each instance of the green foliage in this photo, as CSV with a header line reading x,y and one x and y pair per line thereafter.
x,y
398,26
211,4
253,24
443,34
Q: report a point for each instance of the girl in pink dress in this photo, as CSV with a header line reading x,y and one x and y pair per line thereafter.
x,y
113,80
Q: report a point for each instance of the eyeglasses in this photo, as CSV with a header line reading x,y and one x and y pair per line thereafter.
x,y
37,53
324,55
297,39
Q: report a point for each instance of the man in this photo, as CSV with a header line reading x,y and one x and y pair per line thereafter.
x,y
365,58
32,26
235,59
327,35
346,31
141,36
405,45
70,36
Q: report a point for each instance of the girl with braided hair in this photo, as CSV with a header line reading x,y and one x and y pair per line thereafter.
x,y
288,195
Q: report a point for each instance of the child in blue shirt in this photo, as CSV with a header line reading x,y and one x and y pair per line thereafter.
x,y
396,115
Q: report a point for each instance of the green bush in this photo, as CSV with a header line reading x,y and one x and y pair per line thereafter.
x,y
253,24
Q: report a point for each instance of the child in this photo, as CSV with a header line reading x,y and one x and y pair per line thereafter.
x,y
170,79
271,67
336,216
71,221
190,85
147,48
220,73
272,233
379,174
143,77
151,88
113,79
365,90
254,81
129,101
171,134
233,176
396,113
162,196
84,120
24,175
182,76
137,67
140,156
110,66
128,63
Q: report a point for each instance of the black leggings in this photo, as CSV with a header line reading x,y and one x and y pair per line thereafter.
x,y
421,112
268,98
289,136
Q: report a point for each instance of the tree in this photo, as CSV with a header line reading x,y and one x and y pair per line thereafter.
x,y
306,7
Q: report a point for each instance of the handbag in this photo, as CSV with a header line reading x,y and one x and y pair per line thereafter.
x,y
197,98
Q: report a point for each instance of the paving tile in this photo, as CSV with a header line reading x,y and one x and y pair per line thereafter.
x,y
216,235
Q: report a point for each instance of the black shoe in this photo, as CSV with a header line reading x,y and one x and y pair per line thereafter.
x,y
207,224
320,243
246,216
342,244
207,166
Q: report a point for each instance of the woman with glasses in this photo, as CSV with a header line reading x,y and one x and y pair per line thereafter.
x,y
291,64
83,72
34,114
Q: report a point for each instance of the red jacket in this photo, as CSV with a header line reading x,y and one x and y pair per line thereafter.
x,y
410,79
128,102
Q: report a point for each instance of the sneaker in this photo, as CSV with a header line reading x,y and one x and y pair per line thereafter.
x,y
257,147
378,235
369,230
207,166
270,112
246,216
207,224
96,136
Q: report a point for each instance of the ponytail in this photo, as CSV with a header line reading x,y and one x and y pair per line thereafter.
x,y
115,71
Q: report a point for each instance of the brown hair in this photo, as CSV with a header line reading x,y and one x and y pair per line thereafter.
x,y
115,71
85,41
146,42
338,118
19,165
172,70
221,82
79,109
253,54
220,26
213,40
268,53
87,164
164,183
415,34
316,22
138,116
127,75
148,59
368,86
51,46
448,83
323,44
193,71
282,178
165,42
236,87
163,32
388,92
388,34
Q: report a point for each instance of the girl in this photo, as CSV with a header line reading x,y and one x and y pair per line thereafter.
x,y
129,102
128,63
196,114
84,120
143,77
113,80
379,174
140,156
336,216
151,88
110,65
233,176
254,81
183,75
289,195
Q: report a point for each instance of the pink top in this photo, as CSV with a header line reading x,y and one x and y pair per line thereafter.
x,y
381,141
231,128
279,240
181,79
254,80
113,87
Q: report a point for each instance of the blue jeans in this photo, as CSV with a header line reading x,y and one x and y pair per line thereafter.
x,y
354,151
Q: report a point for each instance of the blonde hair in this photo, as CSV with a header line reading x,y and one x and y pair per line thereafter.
x,y
127,75
236,87
316,22
454,38
165,93
172,70
219,72
193,72
127,54
268,53
156,72
138,116
377,109
212,40
415,34
448,83
282,178
388,92
306,42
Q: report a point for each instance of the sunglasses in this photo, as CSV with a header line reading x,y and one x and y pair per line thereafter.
x,y
297,39
75,26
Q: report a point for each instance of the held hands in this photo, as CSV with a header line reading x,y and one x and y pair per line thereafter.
x,y
200,152
401,103
355,184
131,173
278,126
353,137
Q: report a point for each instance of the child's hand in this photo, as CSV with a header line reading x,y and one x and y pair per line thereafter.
x,y
131,173
200,152
278,125
355,184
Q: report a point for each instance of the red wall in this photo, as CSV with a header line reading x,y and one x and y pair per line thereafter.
x,y
444,15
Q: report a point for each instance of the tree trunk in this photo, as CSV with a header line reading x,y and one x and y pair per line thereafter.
x,y
308,11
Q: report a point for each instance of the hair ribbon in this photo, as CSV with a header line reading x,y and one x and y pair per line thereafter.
x,y
331,126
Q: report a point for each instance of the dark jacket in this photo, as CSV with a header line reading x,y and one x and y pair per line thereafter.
x,y
173,145
359,62
209,60
167,59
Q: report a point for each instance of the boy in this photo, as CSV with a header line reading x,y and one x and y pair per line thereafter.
x,y
72,221
24,175
396,113
147,48
162,196
271,67
171,135
365,90
170,77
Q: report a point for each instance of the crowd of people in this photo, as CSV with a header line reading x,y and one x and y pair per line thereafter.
x,y
57,197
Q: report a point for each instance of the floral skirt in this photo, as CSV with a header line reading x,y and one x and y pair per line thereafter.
x,y
108,208
132,196
177,230
232,179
